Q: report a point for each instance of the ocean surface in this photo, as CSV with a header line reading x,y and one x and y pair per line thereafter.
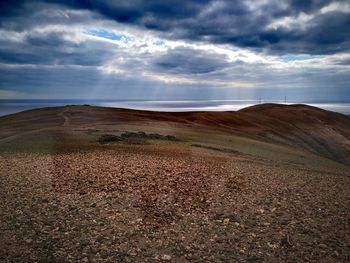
x,y
14,106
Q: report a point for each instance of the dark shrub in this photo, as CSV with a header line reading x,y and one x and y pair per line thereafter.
x,y
170,137
151,136
106,138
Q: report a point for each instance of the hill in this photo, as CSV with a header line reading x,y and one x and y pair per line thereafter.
x,y
299,127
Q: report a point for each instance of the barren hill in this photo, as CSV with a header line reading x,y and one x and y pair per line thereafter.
x,y
297,126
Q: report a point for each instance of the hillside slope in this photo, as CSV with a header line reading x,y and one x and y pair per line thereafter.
x,y
313,129
297,126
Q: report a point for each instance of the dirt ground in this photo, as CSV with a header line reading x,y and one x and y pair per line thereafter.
x,y
226,190
170,202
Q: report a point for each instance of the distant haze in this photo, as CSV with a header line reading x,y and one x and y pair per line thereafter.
x,y
14,106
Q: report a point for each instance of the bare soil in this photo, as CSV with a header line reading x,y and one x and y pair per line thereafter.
x,y
170,203
66,198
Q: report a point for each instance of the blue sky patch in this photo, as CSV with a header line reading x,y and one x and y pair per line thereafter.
x,y
105,34
159,42
288,58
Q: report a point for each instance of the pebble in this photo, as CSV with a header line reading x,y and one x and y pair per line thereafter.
x,y
166,257
323,246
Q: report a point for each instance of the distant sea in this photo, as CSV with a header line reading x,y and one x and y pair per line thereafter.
x,y
13,106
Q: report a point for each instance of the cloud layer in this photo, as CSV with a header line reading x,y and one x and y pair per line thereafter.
x,y
175,50
294,26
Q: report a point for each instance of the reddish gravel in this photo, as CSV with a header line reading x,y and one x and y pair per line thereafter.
x,y
160,181
170,203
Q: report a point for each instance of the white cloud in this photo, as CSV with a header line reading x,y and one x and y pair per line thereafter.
x,y
302,20
290,22
343,7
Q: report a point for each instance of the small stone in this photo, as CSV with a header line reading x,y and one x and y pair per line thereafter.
x,y
272,245
226,221
85,259
323,246
84,242
286,241
285,222
166,257
28,241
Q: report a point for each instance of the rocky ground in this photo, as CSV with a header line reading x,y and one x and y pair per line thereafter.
x,y
170,202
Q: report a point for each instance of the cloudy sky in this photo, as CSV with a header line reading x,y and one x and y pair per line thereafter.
x,y
167,49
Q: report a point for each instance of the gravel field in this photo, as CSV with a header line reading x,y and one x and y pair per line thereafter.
x,y
170,202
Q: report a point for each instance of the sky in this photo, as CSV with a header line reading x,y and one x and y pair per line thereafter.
x,y
175,50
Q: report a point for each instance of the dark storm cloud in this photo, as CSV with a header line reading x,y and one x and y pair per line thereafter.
x,y
24,15
307,6
133,10
233,22
52,48
189,61
240,23
10,8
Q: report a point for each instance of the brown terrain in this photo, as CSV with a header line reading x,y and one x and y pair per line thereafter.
x,y
269,183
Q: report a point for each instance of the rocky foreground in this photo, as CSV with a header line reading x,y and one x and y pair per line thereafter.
x,y
170,202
